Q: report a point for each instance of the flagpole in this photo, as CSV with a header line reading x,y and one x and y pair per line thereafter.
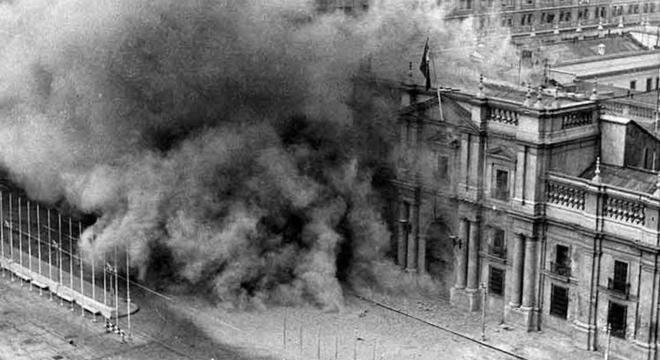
x,y
11,237
39,242
50,253
93,253
82,276
2,232
657,103
70,259
116,289
105,291
20,238
59,247
29,238
437,84
128,292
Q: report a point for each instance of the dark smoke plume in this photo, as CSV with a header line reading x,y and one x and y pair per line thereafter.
x,y
212,138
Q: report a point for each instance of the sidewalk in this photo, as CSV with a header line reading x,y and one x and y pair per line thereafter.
x,y
547,344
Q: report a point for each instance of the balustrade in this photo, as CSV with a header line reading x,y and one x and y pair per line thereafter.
x,y
629,108
497,251
504,116
565,195
625,210
573,120
618,287
560,269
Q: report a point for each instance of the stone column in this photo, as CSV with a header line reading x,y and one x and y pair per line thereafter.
x,y
473,258
517,269
411,263
421,253
462,253
529,280
647,305
402,238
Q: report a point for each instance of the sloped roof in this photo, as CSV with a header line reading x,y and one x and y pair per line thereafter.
x,y
586,48
450,109
599,67
624,177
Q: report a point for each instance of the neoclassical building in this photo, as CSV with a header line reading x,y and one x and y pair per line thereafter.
x,y
549,202
538,17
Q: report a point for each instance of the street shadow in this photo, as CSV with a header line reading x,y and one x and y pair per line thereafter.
x,y
180,334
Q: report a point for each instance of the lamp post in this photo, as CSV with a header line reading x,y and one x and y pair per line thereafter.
x,y
483,310
609,340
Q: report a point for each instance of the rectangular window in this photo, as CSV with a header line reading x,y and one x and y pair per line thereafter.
x,y
559,301
550,18
501,188
562,264
616,319
496,281
443,166
649,84
498,245
633,84
619,282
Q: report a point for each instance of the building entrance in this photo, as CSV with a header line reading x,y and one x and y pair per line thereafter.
x,y
440,256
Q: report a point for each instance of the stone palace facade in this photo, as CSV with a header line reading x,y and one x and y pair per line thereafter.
x,y
549,202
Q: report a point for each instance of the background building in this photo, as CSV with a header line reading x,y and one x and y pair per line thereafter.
x,y
547,201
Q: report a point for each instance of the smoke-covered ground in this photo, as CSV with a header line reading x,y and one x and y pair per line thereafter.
x,y
214,138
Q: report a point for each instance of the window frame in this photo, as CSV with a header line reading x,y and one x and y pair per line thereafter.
x,y
617,277
620,330
496,193
443,175
557,309
496,290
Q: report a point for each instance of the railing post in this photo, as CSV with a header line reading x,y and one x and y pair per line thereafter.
x,y
2,233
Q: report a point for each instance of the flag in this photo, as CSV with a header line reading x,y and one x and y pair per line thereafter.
x,y
424,66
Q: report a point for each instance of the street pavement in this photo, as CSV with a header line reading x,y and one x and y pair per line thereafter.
x,y
32,326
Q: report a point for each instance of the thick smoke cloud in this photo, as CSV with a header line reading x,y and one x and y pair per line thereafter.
x,y
212,138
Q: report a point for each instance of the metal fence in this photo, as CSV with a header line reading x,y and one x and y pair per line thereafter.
x,y
38,246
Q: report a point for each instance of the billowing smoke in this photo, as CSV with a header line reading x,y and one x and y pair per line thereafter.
x,y
212,138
